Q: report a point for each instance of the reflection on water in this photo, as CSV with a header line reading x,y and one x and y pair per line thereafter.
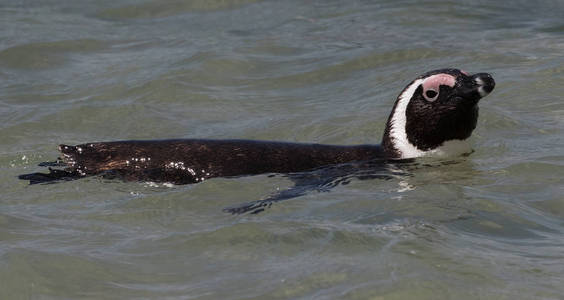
x,y
483,226
46,54
158,9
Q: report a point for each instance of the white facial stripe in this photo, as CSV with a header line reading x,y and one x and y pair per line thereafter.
x,y
398,123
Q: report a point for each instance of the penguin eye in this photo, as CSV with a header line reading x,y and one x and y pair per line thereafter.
x,y
431,95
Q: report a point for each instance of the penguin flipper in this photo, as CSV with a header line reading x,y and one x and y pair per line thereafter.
x,y
57,163
255,207
53,176
321,180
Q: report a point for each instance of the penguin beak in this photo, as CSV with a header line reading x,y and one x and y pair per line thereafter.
x,y
484,83
469,92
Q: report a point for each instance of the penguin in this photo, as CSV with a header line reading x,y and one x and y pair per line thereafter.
x,y
434,115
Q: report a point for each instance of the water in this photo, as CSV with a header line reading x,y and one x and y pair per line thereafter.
x,y
485,226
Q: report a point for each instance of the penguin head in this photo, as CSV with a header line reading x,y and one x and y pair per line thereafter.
x,y
436,113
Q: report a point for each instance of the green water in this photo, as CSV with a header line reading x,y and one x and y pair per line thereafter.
x,y
487,226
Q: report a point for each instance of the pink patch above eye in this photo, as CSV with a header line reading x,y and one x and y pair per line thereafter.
x,y
464,72
435,81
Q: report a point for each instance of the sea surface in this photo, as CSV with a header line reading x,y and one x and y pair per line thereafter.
x,y
485,226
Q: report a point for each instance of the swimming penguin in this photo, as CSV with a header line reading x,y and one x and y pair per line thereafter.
x,y
434,115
